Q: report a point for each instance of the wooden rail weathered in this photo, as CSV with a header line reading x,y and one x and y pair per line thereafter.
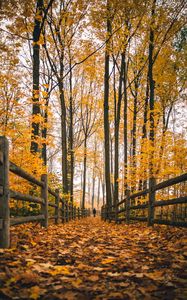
x,y
123,213
64,211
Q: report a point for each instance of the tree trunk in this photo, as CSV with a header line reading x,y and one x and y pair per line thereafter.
x,y
152,88
106,115
63,130
89,192
36,76
44,133
111,164
125,125
98,192
116,135
151,106
93,178
93,189
84,173
143,181
71,152
133,158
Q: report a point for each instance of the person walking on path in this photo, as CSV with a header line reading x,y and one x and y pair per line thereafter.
x,y
94,212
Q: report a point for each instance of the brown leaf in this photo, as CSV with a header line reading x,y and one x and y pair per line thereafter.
x,y
93,278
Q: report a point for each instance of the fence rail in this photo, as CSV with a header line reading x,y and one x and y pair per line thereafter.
x,y
64,211
118,213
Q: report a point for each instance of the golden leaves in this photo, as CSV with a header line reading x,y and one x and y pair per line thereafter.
x,y
108,260
156,275
76,283
93,278
63,270
96,258
35,292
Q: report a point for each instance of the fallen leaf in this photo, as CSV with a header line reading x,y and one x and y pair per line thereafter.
x,y
76,283
93,278
107,261
63,270
35,292
156,275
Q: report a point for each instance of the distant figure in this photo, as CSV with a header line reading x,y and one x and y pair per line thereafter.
x,y
94,212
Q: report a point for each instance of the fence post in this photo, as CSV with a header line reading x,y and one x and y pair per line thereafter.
x,y
151,208
44,196
57,211
4,194
128,207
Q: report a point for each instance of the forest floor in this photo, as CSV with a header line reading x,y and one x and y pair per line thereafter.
x,y
93,259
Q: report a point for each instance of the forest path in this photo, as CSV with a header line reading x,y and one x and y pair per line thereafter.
x,y
93,259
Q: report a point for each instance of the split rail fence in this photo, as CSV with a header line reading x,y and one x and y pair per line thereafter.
x,y
64,211
125,209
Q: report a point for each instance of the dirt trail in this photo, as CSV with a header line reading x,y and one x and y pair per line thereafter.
x,y
92,259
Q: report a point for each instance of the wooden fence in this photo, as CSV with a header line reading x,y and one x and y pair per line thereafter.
x,y
125,209
63,210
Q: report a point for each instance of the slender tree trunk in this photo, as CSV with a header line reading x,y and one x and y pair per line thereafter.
x,y
103,190
106,115
151,106
93,188
98,192
89,192
144,128
36,76
44,133
152,88
133,159
71,152
93,178
125,124
84,172
63,130
103,180
81,195
111,164
116,135
143,180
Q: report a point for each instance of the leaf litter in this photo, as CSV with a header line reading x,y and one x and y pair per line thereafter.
x,y
93,259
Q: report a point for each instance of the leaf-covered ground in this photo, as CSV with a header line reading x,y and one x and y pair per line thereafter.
x,y
92,259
